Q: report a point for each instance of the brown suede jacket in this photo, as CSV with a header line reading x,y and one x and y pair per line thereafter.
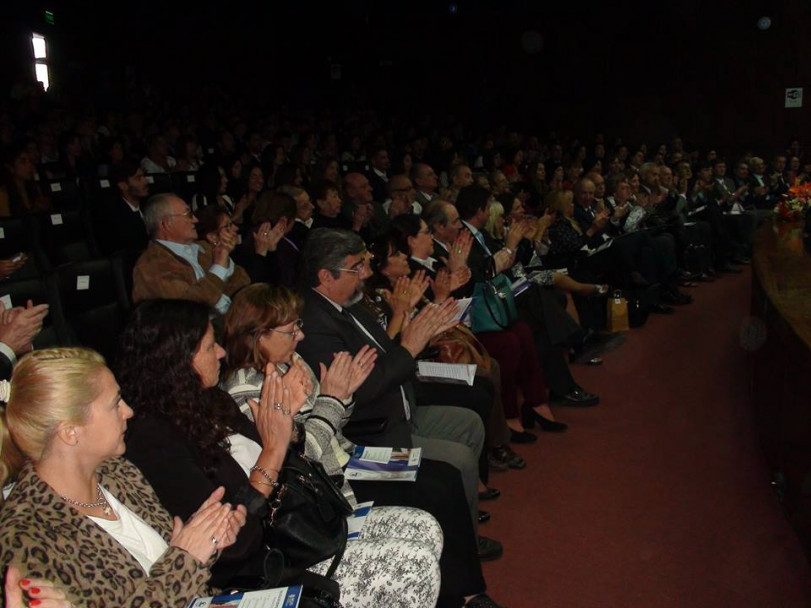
x,y
159,273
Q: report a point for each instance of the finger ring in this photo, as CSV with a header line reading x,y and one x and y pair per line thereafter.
x,y
265,233
458,251
277,406
214,541
286,411
360,365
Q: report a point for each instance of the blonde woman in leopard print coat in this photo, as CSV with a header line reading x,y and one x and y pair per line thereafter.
x,y
62,438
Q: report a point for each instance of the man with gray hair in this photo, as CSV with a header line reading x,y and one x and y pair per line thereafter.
x,y
174,266
335,265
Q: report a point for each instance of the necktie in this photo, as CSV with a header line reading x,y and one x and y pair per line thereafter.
x,y
480,238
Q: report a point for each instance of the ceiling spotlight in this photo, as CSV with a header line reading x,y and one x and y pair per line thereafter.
x,y
764,23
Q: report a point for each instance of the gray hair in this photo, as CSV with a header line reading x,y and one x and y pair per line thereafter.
x,y
157,207
326,249
435,213
647,168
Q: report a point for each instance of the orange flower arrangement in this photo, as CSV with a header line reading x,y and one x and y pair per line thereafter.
x,y
795,203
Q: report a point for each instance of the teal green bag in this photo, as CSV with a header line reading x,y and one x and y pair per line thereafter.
x,y
493,305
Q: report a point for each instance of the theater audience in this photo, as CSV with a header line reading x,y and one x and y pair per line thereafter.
x,y
643,219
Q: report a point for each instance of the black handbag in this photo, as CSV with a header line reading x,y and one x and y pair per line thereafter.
x,y
307,520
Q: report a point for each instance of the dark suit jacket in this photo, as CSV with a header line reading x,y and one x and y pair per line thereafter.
x,y
327,331
121,228
6,367
480,261
299,234
380,187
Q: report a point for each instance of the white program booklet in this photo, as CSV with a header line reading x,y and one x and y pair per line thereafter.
x,y
283,597
453,373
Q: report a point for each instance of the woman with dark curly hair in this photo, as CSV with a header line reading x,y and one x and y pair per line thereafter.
x,y
187,435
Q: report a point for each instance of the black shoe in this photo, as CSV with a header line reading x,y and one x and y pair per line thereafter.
x,y
504,455
514,460
577,398
484,516
705,277
489,549
661,309
674,296
482,601
530,417
522,437
489,494
496,465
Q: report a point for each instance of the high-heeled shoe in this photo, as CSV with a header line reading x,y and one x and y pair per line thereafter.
x,y
529,417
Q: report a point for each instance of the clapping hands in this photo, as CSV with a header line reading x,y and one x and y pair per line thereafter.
x,y
212,528
431,321
346,373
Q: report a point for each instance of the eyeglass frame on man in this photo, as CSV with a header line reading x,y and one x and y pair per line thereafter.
x,y
187,213
368,257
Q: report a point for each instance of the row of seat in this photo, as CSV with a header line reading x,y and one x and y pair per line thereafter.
x,y
73,194
89,303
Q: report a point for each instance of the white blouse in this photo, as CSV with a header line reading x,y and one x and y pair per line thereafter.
x,y
245,451
132,533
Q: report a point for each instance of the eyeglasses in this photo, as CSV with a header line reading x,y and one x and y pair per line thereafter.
x,y
186,213
296,330
357,269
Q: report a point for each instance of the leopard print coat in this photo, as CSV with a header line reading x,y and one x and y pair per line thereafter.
x,y
49,539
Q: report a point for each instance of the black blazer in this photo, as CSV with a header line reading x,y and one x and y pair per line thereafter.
x,y
174,469
482,267
380,187
118,227
5,367
327,331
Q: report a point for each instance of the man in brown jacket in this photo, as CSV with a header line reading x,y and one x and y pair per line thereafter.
x,y
175,266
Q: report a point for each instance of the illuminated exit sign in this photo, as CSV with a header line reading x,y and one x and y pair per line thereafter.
x,y
49,17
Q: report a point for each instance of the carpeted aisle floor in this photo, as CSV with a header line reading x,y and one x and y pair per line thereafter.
x,y
658,496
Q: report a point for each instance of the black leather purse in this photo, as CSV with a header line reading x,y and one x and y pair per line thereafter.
x,y
307,519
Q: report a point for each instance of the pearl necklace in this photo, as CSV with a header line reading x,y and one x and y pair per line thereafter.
x,y
101,502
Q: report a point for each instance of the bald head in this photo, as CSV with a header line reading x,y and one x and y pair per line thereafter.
x,y
584,192
599,184
425,179
357,188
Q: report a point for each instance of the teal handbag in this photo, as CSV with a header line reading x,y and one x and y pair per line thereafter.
x,y
493,305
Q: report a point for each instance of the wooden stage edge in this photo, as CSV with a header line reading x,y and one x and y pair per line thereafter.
x,y
778,337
